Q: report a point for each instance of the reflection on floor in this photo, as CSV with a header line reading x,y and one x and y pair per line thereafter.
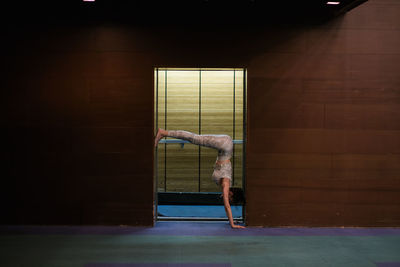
x,y
209,211
196,244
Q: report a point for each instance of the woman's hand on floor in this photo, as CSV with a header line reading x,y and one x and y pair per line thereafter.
x,y
236,226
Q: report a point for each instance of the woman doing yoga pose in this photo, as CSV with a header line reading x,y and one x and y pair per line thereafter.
x,y
222,174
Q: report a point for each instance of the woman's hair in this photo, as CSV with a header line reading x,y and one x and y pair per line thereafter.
x,y
238,195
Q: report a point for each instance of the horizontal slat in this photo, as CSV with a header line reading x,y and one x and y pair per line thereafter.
x,y
323,141
351,116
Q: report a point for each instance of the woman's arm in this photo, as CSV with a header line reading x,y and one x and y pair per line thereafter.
x,y
225,192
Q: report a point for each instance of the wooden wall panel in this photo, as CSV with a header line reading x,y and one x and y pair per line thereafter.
x,y
323,137
84,115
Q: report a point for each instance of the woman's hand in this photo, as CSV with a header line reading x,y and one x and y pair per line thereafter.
x,y
236,226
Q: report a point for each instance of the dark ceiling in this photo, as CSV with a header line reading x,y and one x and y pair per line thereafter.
x,y
178,11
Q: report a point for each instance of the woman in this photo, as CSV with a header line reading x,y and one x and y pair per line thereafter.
x,y
222,174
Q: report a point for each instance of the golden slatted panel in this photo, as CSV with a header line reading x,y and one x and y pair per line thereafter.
x,y
183,105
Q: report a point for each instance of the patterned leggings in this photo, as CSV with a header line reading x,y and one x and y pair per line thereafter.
x,y
222,143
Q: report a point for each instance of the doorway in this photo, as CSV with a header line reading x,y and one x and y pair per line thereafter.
x,y
202,101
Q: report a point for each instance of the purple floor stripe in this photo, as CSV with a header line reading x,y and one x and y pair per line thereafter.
x,y
158,265
387,264
196,228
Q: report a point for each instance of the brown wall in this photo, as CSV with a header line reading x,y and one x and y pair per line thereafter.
x,y
323,118
324,121
80,126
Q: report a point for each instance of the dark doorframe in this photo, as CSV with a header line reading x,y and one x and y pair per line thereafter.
x,y
199,198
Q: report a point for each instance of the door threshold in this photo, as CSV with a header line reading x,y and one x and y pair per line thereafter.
x,y
197,219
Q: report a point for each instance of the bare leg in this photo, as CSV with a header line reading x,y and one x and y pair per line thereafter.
x,y
219,142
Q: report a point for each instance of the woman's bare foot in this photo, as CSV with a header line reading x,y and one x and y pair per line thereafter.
x,y
160,134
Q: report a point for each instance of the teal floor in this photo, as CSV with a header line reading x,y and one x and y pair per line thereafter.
x,y
197,244
210,211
